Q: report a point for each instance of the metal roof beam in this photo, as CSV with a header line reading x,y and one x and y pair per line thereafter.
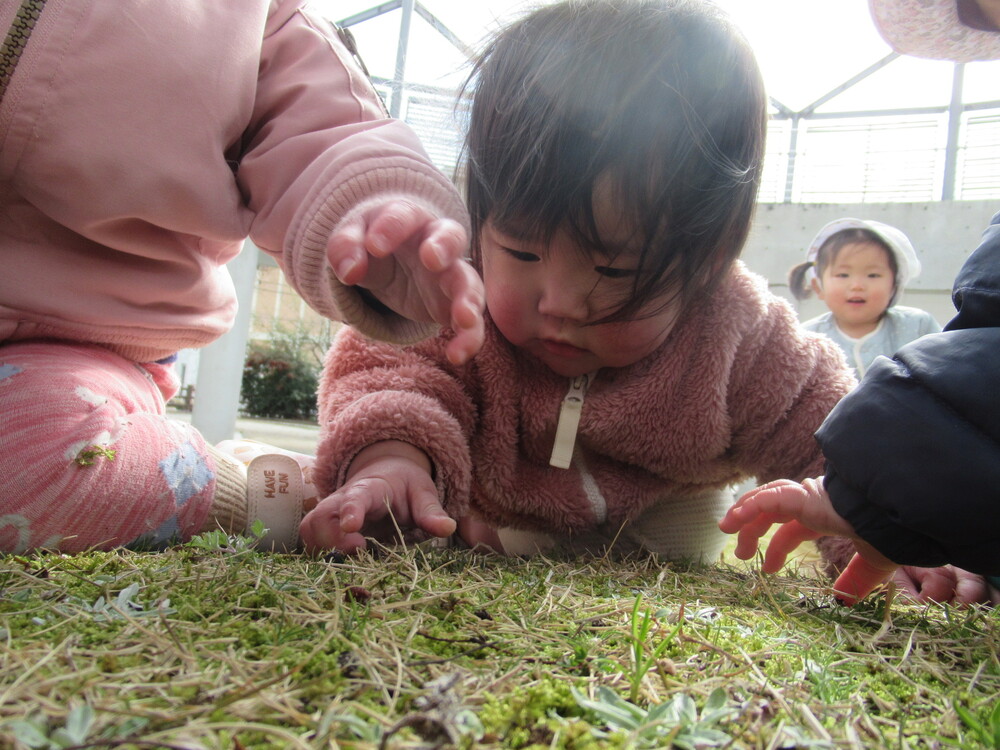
x,y
444,31
848,83
374,12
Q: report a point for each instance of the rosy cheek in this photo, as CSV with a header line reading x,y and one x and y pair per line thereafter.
x,y
507,312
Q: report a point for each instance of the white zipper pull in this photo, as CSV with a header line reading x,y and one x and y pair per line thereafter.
x,y
569,421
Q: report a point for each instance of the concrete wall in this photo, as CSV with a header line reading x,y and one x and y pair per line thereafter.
x,y
943,233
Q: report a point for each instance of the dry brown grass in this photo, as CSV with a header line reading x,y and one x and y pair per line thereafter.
x,y
218,646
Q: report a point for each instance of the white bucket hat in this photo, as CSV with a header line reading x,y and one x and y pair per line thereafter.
x,y
934,29
907,264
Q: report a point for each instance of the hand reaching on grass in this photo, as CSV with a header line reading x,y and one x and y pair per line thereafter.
x,y
413,262
389,487
805,512
947,584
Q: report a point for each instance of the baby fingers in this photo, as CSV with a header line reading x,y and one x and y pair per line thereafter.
x,y
859,579
393,225
445,243
338,521
430,516
785,540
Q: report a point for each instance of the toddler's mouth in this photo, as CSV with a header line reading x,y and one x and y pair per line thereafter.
x,y
562,348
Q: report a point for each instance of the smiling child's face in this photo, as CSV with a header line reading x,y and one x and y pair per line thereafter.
x,y
858,286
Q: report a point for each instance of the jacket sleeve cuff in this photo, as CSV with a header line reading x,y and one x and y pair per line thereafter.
x,y
873,524
398,415
347,196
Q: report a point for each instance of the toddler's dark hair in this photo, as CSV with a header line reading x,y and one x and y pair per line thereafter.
x,y
798,278
657,103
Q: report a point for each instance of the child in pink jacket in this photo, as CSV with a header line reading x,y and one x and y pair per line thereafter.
x,y
140,143
634,370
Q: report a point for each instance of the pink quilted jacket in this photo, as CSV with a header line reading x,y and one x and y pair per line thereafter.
x,y
141,142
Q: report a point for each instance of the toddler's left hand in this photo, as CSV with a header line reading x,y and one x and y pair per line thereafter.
x,y
389,489
413,262
805,512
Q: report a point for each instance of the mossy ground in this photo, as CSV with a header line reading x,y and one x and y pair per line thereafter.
x,y
214,645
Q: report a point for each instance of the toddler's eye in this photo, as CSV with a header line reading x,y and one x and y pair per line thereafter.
x,y
521,255
615,273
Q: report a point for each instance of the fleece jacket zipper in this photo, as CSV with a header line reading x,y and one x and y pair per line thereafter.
x,y
564,451
17,39
569,421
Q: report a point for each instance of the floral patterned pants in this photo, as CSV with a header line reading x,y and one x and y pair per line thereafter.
x,y
88,458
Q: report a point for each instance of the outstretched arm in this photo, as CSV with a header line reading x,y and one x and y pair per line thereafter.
x,y
805,512
389,487
413,263
365,227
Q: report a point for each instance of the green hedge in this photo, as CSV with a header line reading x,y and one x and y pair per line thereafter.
x,y
279,382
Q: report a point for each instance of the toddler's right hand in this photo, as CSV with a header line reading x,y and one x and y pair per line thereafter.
x,y
389,486
413,262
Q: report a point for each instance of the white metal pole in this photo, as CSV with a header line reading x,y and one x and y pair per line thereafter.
x,y
220,364
395,106
954,128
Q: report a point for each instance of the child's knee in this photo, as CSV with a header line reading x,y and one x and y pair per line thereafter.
x,y
56,411
104,490
88,458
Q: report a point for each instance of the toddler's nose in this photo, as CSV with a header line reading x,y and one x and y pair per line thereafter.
x,y
560,299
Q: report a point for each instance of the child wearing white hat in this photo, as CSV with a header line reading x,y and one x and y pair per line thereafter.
x,y
912,457
858,268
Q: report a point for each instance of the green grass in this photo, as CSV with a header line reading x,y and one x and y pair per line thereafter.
x,y
213,645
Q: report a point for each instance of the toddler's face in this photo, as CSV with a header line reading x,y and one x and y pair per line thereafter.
x,y
542,296
857,287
